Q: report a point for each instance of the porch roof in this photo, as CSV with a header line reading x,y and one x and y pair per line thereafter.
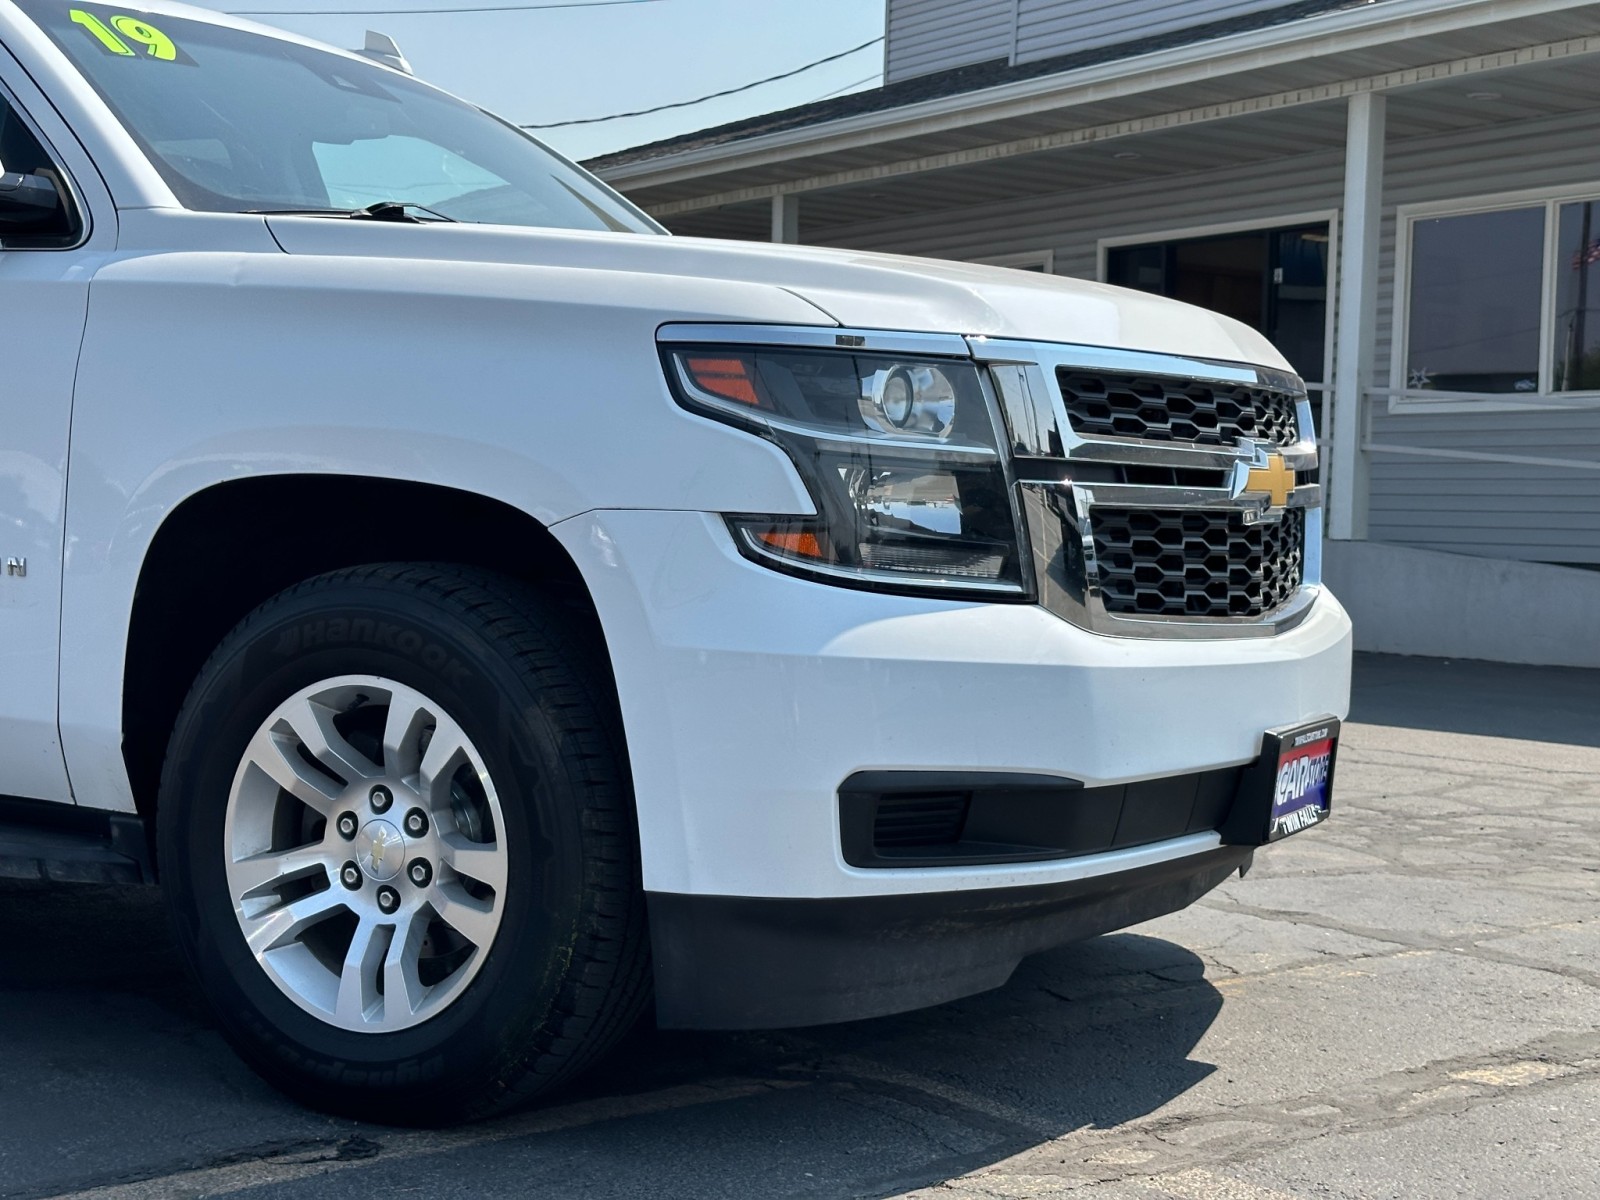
x,y
1240,98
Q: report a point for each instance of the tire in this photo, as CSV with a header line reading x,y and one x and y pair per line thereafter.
x,y
344,706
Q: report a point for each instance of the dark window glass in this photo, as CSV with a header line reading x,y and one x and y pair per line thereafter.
x,y
240,122
1275,281
1577,328
21,154
1476,283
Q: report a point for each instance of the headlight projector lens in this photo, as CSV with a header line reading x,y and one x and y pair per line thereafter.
x,y
910,399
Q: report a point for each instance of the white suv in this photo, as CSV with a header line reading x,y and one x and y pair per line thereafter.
x,y
489,613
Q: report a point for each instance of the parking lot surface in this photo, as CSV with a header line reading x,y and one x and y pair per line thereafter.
x,y
1403,1002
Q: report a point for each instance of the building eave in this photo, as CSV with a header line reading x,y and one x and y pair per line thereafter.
x,y
1331,33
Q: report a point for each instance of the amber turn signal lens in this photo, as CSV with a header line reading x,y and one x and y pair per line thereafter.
x,y
794,541
725,377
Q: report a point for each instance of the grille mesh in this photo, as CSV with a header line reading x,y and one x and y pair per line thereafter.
x,y
920,820
1196,562
1176,410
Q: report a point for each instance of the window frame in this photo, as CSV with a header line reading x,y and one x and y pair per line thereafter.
x,y
1544,399
85,222
1330,216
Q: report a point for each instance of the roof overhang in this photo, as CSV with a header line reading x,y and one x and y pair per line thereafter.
x,y
1321,57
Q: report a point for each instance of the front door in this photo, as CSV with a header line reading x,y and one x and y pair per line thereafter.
x,y
44,293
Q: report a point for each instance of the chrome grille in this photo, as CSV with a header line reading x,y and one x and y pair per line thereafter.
x,y
1153,488
1153,408
1173,562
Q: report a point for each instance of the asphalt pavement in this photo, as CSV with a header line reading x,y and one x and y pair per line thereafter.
x,y
1403,1002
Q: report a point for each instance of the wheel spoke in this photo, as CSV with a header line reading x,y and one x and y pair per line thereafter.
x,y
260,871
273,753
474,920
444,752
313,725
475,860
402,732
358,980
282,925
403,992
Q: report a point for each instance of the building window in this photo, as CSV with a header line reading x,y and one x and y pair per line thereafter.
x,y
1576,352
1041,261
1503,301
1274,280
1476,281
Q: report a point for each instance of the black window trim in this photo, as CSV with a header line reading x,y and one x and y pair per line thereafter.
x,y
80,208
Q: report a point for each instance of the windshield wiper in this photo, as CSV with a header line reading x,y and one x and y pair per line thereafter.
x,y
383,210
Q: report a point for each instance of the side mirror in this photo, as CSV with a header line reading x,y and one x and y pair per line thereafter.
x,y
27,202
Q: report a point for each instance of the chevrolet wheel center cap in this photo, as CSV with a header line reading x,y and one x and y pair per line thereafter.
x,y
380,850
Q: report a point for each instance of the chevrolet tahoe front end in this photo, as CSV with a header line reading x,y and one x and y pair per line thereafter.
x,y
498,612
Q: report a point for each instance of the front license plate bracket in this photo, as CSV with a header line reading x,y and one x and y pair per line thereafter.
x,y
1289,788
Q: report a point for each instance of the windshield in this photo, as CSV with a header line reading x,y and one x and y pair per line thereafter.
x,y
242,122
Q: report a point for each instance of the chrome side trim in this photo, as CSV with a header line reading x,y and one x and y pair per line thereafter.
x,y
821,337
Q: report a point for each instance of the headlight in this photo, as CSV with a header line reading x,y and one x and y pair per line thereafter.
x,y
900,456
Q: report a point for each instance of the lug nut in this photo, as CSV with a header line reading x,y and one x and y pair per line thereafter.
x,y
350,876
347,826
421,873
416,822
381,798
388,899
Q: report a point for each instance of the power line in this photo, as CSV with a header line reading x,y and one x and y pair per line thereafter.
x,y
714,95
420,12
847,87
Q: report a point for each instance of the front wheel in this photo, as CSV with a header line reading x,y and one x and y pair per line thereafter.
x,y
397,842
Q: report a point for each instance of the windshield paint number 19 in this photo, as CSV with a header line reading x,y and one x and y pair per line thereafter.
x,y
156,44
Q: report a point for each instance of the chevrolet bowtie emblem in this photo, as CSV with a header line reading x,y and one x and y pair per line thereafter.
x,y
1275,480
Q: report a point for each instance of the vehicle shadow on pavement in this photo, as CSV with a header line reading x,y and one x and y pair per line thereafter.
x,y
110,1071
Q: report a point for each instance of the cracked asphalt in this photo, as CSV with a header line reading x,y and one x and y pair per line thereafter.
x,y
1403,1002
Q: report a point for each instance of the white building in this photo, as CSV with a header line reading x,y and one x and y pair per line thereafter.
x,y
1403,194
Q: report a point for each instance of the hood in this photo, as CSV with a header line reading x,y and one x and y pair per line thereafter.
x,y
852,288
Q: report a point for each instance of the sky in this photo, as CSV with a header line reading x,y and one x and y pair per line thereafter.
x,y
561,64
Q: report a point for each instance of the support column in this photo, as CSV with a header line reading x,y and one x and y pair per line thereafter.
x,y
786,218
1354,343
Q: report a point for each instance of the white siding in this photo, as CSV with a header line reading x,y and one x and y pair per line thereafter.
x,y
1496,509
933,35
1049,27
1502,510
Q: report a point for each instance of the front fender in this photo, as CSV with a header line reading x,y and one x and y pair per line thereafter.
x,y
538,387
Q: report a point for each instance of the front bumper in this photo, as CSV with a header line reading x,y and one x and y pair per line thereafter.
x,y
749,697
726,962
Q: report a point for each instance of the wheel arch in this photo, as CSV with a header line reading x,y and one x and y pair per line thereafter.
x,y
233,545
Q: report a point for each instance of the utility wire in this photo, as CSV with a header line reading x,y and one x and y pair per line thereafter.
x,y
847,87
714,95
420,12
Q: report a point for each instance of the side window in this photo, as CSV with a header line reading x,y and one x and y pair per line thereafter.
x,y
36,209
